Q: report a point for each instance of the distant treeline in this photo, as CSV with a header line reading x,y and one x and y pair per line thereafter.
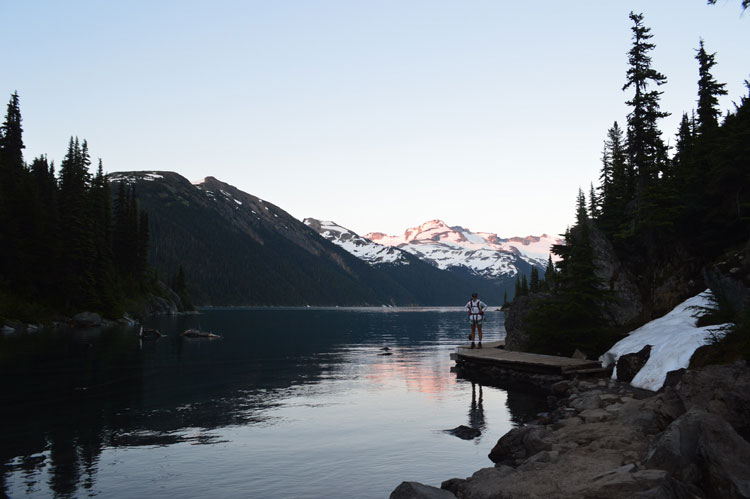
x,y
65,245
657,206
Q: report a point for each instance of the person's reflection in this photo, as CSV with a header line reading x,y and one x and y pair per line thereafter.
x,y
476,413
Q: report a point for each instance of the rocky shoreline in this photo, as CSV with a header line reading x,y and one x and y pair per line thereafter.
x,y
604,438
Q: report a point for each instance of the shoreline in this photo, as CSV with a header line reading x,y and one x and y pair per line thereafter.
x,y
608,439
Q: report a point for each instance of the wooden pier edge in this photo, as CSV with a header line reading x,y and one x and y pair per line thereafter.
x,y
494,362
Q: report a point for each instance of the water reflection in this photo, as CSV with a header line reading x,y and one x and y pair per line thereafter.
x,y
70,396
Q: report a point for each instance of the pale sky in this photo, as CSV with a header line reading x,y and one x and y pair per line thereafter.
x,y
378,115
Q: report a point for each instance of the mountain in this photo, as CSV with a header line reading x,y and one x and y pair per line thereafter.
x,y
484,254
486,262
362,248
237,249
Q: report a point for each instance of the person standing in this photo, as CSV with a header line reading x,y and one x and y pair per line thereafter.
x,y
476,309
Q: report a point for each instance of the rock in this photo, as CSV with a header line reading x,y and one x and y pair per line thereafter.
x,y
486,483
464,432
577,354
674,377
516,338
87,319
629,364
416,490
622,483
700,448
671,489
452,485
560,388
520,443
627,305
588,401
596,415
721,390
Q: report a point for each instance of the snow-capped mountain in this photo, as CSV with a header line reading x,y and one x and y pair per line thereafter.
x,y
448,248
362,248
483,253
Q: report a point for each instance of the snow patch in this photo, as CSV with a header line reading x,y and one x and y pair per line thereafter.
x,y
673,339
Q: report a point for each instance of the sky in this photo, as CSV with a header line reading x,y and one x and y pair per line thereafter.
x,y
379,115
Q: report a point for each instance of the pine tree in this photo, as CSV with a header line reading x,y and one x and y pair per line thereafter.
x,y
534,284
646,150
505,298
708,91
524,285
78,248
14,197
518,292
594,203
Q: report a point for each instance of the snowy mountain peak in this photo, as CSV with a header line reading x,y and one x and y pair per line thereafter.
x,y
364,249
483,253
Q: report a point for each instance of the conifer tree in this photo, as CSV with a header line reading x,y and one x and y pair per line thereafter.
x,y
518,291
708,91
534,285
76,220
646,150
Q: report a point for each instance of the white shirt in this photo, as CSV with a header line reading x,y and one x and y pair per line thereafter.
x,y
476,307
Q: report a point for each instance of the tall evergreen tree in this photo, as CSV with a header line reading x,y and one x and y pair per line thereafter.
x,y
76,221
708,91
534,283
646,150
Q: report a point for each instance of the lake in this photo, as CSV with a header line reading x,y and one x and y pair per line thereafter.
x,y
289,403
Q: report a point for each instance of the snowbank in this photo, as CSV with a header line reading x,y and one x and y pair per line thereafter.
x,y
673,339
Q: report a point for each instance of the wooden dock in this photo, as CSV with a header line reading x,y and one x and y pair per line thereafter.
x,y
492,354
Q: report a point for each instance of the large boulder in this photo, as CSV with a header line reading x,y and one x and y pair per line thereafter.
x,y
521,443
87,319
701,449
629,364
516,338
721,390
416,490
627,306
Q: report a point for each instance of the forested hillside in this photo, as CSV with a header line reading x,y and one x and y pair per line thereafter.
x,y
660,221
236,249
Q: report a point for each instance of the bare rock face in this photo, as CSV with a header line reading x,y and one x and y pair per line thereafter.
x,y
720,390
629,364
730,278
627,306
521,443
416,490
516,338
701,448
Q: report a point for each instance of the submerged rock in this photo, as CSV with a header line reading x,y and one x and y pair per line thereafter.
x,y
464,432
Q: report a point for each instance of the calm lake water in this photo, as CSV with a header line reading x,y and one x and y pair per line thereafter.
x,y
291,403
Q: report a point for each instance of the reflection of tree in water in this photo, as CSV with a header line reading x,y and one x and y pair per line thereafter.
x,y
73,394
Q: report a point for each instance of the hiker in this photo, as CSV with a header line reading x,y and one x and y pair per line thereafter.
x,y
476,309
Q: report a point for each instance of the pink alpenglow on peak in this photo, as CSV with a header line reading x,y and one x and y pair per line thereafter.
x,y
483,253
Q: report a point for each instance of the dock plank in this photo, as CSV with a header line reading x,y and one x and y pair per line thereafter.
x,y
490,353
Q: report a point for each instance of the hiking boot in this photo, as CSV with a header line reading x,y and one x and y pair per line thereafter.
x,y
480,344
473,345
